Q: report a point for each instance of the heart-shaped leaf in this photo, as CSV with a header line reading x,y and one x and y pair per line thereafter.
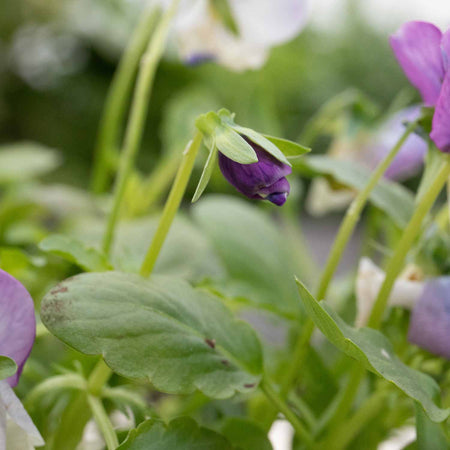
x,y
181,434
374,351
179,338
74,251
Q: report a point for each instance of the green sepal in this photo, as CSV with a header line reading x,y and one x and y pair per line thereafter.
x,y
206,174
8,367
291,150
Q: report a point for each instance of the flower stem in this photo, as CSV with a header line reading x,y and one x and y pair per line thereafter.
x,y
353,214
393,269
409,235
104,424
281,406
172,204
345,231
117,99
138,114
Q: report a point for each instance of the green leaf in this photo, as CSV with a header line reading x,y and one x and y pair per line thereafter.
x,y
177,337
206,174
430,435
292,150
25,160
196,262
392,198
181,434
245,434
74,251
259,261
8,367
374,351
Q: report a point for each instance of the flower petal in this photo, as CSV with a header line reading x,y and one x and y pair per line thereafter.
x,y
410,157
17,322
16,413
269,22
440,130
417,48
430,320
370,277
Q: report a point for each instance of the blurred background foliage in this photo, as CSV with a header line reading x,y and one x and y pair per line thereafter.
x,y
57,59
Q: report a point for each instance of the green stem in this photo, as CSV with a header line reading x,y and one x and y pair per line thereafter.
x,y
104,424
281,406
393,269
410,233
172,204
138,114
343,436
117,100
353,214
98,378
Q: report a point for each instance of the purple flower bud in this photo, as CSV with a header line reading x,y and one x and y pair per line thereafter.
x,y
17,323
263,180
430,320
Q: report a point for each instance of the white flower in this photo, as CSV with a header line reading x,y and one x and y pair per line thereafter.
x,y
405,293
17,430
261,24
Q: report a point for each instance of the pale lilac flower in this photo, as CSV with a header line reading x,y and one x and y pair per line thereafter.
x,y
261,25
423,53
409,160
17,430
17,333
430,319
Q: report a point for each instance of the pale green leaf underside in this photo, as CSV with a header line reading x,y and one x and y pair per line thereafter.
x,y
374,351
253,250
177,337
234,146
75,251
206,174
181,434
8,367
292,150
25,160
392,198
260,140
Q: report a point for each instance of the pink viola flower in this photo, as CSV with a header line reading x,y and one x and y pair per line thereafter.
x,y
423,53
17,323
17,334
202,33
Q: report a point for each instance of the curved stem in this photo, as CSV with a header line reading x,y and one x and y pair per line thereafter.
x,y
117,100
410,233
138,114
172,204
353,214
281,406
104,424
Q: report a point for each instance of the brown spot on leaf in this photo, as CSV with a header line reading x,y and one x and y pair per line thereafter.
x,y
249,385
59,290
211,343
225,362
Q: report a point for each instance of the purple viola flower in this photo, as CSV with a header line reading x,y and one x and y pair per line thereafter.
x,y
430,320
263,180
423,53
17,323
411,156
